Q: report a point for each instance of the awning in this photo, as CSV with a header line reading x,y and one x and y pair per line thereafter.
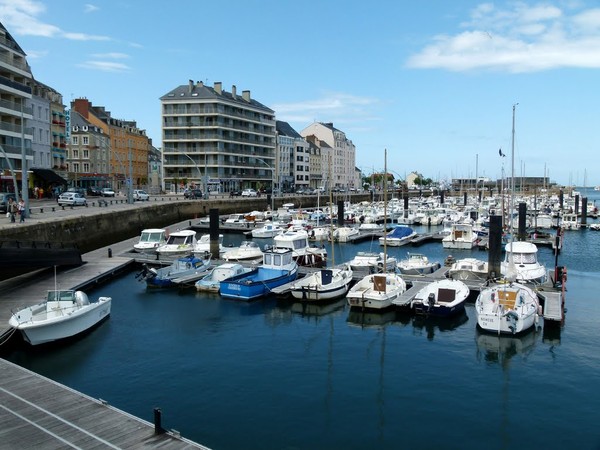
x,y
49,176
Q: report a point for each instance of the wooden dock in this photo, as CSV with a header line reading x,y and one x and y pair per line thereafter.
x,y
39,413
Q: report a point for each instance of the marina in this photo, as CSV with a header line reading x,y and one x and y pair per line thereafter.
x,y
195,379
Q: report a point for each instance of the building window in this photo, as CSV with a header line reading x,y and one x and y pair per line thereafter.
x,y
86,167
85,140
76,167
75,154
86,154
75,140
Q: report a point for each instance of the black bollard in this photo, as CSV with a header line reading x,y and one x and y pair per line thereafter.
x,y
110,252
340,213
495,247
577,205
522,221
158,429
213,230
584,202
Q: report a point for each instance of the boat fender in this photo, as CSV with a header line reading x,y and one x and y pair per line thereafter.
x,y
188,265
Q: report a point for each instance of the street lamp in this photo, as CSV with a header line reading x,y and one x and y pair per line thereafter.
x,y
272,181
198,168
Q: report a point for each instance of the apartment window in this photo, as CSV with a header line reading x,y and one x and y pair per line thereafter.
x,y
86,167
86,154
85,140
76,167
75,140
75,153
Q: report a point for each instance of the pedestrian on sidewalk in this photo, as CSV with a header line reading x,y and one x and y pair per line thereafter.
x,y
21,209
12,209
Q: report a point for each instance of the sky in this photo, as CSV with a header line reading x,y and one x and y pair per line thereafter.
x,y
434,82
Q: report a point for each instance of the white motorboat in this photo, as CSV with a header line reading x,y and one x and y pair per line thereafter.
x,y
268,230
323,285
570,222
345,234
461,236
441,298
468,269
182,272
303,253
376,291
372,261
399,236
212,281
246,250
320,233
64,314
507,308
179,243
237,219
150,240
417,264
203,246
521,263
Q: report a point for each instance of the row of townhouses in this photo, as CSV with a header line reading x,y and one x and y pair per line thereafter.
x,y
218,140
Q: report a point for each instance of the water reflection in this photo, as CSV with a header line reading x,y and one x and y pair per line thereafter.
x,y
500,349
369,319
441,324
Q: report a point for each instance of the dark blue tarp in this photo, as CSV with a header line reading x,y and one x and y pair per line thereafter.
x,y
400,232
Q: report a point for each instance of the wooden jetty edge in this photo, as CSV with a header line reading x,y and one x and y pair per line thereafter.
x,y
37,412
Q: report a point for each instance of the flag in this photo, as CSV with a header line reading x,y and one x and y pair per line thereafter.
x,y
500,152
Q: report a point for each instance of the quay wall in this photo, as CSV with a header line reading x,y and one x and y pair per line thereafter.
x,y
103,226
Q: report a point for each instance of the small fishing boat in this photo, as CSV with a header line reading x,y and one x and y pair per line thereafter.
x,y
183,271
203,245
212,281
304,254
179,243
441,298
150,240
417,264
468,269
344,234
278,268
268,230
372,262
376,291
461,236
323,285
246,250
521,262
64,314
398,236
507,308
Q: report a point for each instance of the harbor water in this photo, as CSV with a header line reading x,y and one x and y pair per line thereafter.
x,y
275,374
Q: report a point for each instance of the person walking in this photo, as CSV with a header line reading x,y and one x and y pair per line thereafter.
x,y
12,209
21,209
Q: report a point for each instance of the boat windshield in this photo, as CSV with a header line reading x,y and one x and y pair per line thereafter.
x,y
151,237
524,258
177,240
65,296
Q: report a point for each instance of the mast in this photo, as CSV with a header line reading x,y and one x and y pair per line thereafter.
x,y
331,215
385,212
512,185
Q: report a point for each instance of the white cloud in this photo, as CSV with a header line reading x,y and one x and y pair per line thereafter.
x,y
21,17
521,38
88,8
112,55
331,107
105,66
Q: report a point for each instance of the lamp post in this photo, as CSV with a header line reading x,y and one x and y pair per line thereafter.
x,y
199,172
272,181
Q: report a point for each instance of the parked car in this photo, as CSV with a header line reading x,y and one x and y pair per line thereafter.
x,y
71,199
249,193
94,191
77,189
141,195
193,193
4,196
235,193
107,192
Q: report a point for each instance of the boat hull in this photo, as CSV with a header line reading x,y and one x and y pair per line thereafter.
x,y
64,326
312,287
256,284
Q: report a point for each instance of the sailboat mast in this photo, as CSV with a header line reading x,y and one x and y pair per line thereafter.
x,y
385,211
512,190
331,221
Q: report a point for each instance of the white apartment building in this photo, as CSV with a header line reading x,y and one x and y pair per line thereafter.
x,y
339,151
15,94
217,140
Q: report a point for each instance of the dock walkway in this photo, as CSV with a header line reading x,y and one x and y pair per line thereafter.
x,y
37,412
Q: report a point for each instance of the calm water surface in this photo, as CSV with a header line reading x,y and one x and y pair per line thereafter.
x,y
277,375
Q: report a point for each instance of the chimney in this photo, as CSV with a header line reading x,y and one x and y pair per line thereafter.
x,y
82,106
218,87
233,91
246,95
199,84
191,86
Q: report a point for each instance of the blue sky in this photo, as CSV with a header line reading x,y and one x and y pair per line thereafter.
x,y
434,81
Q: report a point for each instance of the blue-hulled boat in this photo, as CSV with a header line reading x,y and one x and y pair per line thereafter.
x,y
278,268
182,272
